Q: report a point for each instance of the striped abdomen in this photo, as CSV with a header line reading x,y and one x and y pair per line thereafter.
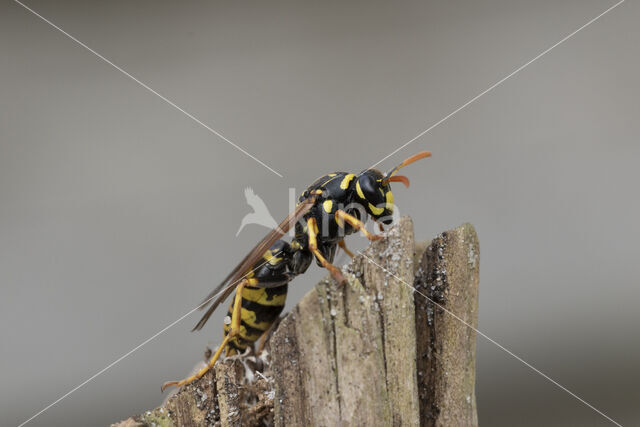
x,y
260,308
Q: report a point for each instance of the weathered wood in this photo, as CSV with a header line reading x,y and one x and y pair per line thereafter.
x,y
229,377
446,296
362,353
195,405
351,349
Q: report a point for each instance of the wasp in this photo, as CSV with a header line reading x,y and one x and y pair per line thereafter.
x,y
334,206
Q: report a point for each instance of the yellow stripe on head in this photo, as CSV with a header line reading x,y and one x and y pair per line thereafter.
x,y
390,203
375,210
359,191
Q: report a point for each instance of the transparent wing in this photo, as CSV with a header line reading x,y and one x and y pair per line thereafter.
x,y
226,288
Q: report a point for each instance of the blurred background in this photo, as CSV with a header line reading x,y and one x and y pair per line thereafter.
x,y
118,213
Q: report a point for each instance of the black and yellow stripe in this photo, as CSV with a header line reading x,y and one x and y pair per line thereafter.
x,y
260,308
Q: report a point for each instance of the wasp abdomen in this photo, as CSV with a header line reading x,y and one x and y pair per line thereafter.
x,y
260,308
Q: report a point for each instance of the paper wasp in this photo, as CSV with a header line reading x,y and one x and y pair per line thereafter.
x,y
337,204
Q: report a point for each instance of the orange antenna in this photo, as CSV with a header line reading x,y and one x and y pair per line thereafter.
x,y
389,177
399,178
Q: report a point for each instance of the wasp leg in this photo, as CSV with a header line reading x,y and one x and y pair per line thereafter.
x,y
263,341
235,330
356,223
312,231
344,248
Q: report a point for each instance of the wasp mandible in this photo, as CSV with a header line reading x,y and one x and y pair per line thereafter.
x,y
334,206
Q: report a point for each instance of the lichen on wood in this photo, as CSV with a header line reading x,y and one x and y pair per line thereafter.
x,y
382,349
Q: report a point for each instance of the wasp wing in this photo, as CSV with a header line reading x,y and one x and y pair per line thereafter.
x,y
222,291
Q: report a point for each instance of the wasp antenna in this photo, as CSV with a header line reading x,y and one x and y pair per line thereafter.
x,y
400,178
415,158
406,162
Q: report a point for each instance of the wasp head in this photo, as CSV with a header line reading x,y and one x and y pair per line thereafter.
x,y
374,192
375,196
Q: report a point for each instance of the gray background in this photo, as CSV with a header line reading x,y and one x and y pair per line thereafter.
x,y
118,213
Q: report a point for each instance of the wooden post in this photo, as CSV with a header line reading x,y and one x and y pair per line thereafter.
x,y
446,296
388,348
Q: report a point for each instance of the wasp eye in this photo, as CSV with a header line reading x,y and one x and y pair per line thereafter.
x,y
372,193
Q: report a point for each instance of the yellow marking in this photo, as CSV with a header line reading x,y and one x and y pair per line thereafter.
x,y
295,245
270,258
316,192
359,190
249,274
332,175
252,281
249,317
312,226
275,260
313,246
260,296
346,180
327,205
375,210
390,203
